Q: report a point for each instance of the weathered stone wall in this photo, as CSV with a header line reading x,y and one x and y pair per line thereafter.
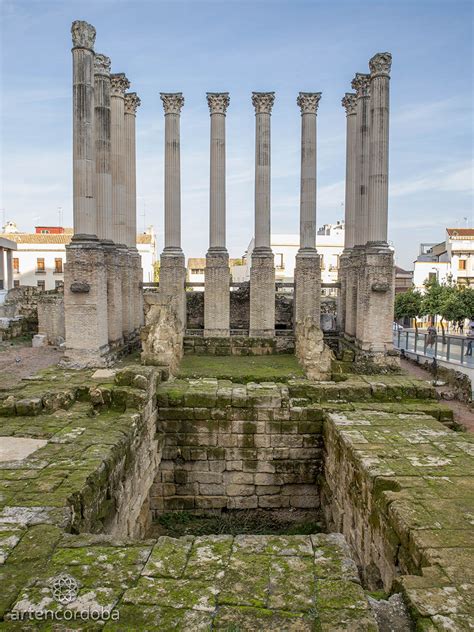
x,y
51,318
238,345
11,328
23,301
162,336
235,446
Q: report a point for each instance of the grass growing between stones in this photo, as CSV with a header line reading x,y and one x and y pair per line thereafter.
x,y
269,368
281,522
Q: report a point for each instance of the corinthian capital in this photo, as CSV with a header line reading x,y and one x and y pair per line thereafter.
x,y
263,102
308,102
172,102
349,102
83,35
132,102
361,83
118,84
101,65
218,102
380,64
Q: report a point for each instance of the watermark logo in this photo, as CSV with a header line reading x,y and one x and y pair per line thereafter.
x,y
65,589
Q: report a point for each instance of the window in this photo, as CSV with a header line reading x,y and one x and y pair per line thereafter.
x,y
462,264
16,283
41,285
197,270
44,231
58,265
279,263
432,276
40,265
16,264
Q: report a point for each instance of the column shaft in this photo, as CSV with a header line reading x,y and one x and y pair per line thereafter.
x,y
103,167
119,83
217,273
3,285
9,269
350,104
84,207
262,272
361,84
173,271
378,173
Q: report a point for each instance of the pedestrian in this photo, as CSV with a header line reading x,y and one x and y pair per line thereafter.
x,y
461,327
470,337
431,335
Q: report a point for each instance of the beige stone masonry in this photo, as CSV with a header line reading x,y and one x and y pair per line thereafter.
x,y
217,294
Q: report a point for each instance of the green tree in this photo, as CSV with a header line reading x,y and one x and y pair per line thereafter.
x,y
409,304
453,306
433,299
467,294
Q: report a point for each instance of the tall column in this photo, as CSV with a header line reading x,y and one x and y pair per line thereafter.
x,y
361,83
172,269
84,207
85,276
132,102
262,271
348,290
377,277
380,66
9,269
3,285
217,273
119,83
103,167
308,266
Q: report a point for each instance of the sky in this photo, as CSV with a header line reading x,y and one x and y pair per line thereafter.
x,y
240,46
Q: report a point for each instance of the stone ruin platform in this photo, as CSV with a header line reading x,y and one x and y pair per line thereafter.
x,y
376,454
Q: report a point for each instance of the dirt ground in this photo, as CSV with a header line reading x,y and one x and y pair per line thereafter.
x,y
463,413
19,360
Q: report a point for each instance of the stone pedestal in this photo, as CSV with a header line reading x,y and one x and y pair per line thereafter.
x,y
173,284
375,299
114,295
307,287
262,294
126,273
217,294
137,289
85,301
351,285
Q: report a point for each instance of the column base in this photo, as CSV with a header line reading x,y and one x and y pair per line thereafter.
x,y
262,294
173,283
307,287
217,294
85,305
375,302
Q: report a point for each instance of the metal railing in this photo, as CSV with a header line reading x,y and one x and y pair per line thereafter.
x,y
455,349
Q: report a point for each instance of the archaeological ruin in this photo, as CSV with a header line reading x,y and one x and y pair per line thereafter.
x,y
222,461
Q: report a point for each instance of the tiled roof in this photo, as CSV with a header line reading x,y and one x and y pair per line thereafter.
x,y
63,238
460,232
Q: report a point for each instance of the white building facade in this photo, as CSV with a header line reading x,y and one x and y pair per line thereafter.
x,y
39,257
450,260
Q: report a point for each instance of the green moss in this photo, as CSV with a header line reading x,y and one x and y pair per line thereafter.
x,y
241,368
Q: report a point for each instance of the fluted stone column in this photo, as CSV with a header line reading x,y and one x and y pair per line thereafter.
x,y
361,83
262,271
9,269
217,273
119,84
347,276
85,277
132,102
172,269
103,162
377,281
3,285
308,266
